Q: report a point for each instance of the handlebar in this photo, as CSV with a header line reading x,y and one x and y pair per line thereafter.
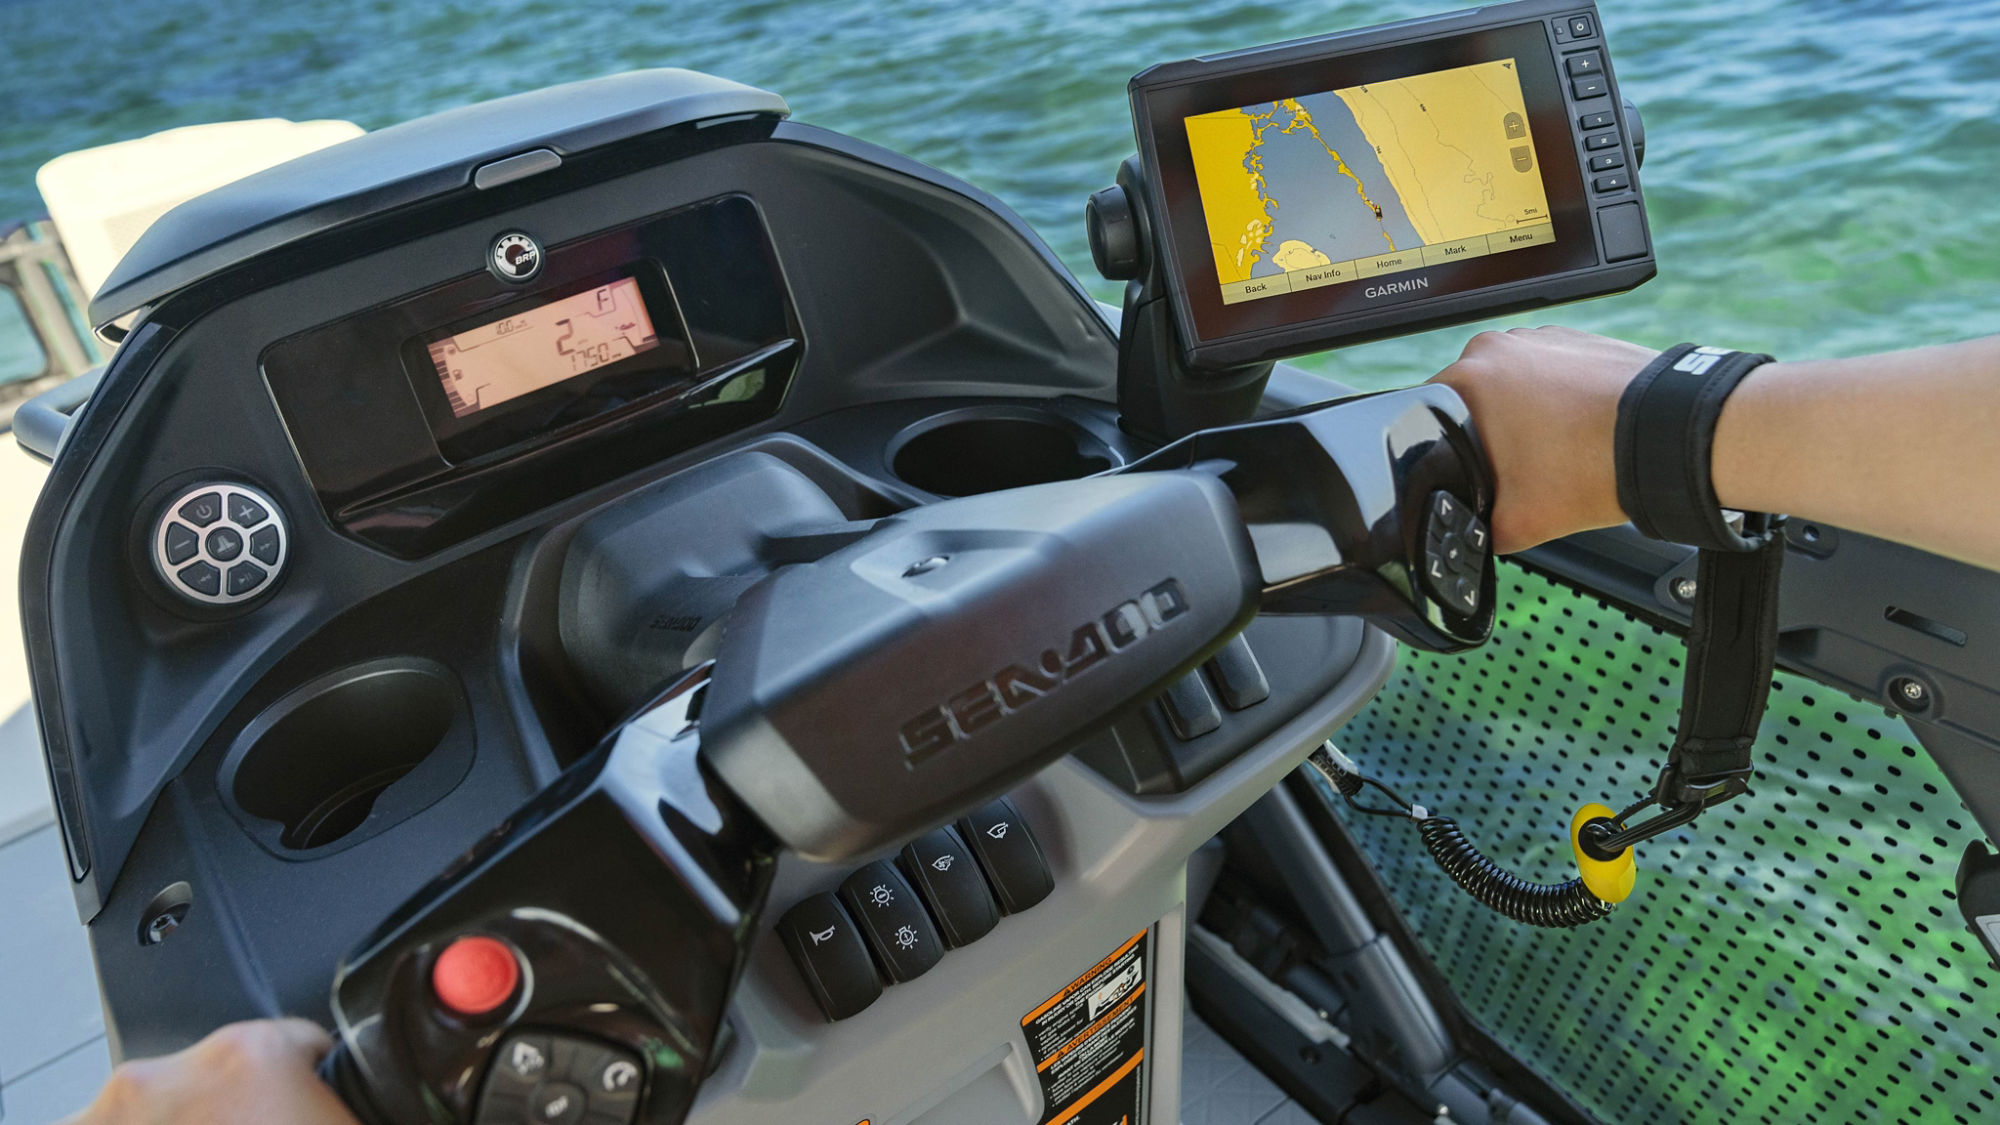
x,y
1372,506
339,1071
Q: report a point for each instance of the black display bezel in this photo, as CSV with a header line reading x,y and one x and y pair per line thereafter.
x,y
569,400
354,401
1162,104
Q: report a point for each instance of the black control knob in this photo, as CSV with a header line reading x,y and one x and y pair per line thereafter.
x,y
1112,225
1635,128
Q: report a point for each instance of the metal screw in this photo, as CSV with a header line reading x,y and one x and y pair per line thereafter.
x,y
1912,691
1684,589
925,566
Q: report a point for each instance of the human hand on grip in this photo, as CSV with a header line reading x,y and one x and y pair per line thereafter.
x,y
1545,404
1899,445
252,1073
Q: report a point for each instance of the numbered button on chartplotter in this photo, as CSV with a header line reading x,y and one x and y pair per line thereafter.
x,y
899,931
944,872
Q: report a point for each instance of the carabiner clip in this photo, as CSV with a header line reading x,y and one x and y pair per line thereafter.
x,y
1608,837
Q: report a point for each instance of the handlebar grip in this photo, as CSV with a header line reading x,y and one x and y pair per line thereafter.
x,y
338,1070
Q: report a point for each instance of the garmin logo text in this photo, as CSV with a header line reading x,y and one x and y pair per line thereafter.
x,y
1396,287
1016,686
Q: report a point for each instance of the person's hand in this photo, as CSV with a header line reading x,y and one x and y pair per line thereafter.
x,y
1544,403
253,1073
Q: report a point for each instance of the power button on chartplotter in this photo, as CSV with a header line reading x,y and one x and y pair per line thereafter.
x,y
220,544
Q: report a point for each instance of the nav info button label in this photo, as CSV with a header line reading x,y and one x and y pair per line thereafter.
x,y
1312,277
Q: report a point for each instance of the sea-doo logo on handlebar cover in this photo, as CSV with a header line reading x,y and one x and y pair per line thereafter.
x,y
1017,685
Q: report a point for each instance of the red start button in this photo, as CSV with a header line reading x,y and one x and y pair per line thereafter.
x,y
475,975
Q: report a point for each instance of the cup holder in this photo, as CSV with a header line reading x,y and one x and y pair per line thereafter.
x,y
350,754
986,449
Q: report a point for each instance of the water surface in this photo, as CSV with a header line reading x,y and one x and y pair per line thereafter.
x,y
1820,174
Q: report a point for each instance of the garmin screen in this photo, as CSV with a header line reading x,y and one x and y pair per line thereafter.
x,y
542,345
1369,181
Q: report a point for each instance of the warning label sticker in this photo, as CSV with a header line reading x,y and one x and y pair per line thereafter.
x,y
1089,1042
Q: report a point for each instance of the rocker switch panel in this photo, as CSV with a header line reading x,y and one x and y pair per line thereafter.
x,y
1239,679
827,946
948,878
905,941
1009,855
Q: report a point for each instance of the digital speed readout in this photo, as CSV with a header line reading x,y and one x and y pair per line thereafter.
x,y
542,346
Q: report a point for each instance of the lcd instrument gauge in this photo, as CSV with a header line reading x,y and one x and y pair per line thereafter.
x,y
542,345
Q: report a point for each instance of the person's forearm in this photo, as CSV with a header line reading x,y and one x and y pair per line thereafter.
x,y
1905,446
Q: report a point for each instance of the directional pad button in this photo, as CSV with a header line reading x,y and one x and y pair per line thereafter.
x,y
1457,547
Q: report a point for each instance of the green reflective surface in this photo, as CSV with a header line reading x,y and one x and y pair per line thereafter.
x,y
1795,956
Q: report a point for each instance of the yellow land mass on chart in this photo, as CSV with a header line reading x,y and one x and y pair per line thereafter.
x,y
1444,140
1232,195
1302,118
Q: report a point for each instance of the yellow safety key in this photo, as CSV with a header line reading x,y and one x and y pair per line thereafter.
x,y
1608,879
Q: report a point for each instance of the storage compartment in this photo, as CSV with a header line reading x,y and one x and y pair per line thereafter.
x,y
989,448
350,754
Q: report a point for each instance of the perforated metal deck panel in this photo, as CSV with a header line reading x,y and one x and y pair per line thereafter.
x,y
1795,956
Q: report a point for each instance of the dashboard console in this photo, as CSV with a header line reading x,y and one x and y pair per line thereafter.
x,y
430,457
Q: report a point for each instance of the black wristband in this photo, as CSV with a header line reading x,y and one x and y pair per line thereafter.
x,y
1665,435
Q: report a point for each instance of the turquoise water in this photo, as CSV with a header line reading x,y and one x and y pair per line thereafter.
x,y
1821,173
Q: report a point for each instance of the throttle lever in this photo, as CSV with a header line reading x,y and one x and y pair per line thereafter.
x,y
338,1070
1377,505
622,900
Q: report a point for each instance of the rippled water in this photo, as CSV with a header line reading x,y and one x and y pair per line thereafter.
x,y
1821,174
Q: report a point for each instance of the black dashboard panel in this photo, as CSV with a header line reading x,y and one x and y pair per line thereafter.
x,y
405,682
396,463
962,300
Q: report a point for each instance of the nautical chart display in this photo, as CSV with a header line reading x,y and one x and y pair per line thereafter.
x,y
1373,179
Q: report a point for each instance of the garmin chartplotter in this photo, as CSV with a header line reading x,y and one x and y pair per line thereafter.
x,y
1295,197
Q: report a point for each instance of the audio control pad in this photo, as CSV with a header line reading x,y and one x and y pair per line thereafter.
x,y
220,544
